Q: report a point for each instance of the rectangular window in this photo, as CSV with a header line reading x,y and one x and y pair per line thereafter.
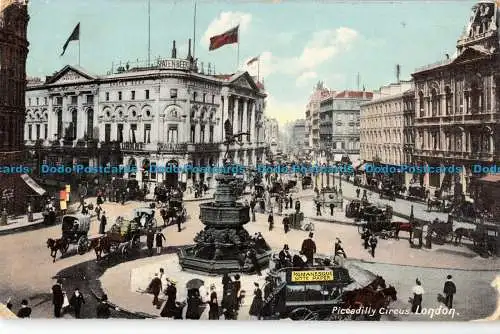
x,y
120,133
173,93
147,133
29,102
74,99
107,133
202,134
213,99
30,128
132,95
107,96
38,131
59,125
172,135
153,171
211,137
119,96
90,99
45,131
192,133
133,131
37,101
45,101
147,94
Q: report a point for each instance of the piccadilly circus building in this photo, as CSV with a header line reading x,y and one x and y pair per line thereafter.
x,y
156,115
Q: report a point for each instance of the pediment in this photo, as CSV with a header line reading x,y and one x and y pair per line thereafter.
x,y
245,81
70,74
472,53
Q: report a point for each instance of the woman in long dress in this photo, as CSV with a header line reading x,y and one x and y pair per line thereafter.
x,y
213,313
257,304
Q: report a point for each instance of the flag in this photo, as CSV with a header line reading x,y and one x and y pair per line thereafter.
x,y
75,36
253,60
229,37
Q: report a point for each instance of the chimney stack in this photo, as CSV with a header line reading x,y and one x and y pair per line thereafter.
x,y
189,57
174,50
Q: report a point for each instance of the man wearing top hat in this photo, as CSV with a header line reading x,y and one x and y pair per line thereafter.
x,y
309,248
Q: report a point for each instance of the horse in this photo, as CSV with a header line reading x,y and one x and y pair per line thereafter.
x,y
468,233
401,226
101,245
57,245
434,203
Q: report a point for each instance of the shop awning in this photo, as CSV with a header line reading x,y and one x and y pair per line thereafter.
x,y
490,178
33,185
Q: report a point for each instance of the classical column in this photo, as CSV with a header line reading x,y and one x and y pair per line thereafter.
x,y
252,123
236,120
244,115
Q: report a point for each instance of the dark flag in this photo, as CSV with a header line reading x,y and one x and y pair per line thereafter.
x,y
75,36
229,37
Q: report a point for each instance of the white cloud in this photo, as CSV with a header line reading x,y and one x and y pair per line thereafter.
x,y
322,46
284,111
305,78
224,22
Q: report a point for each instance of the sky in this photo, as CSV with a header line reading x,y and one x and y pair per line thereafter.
x,y
299,42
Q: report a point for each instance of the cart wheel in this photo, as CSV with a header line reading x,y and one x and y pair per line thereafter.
x,y
83,245
303,313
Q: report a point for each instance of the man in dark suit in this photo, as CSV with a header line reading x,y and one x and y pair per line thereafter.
x,y
102,225
285,257
102,310
309,248
57,298
449,290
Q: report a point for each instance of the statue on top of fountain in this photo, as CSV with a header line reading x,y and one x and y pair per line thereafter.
x,y
231,139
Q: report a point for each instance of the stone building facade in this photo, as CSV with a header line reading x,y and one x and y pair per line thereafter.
x,y
167,114
272,134
299,135
340,125
13,53
456,105
382,127
312,118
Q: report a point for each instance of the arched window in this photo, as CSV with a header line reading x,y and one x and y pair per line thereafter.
x,y
449,99
475,98
434,102
90,123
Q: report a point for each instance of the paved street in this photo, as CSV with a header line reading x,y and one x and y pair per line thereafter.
x,y
29,269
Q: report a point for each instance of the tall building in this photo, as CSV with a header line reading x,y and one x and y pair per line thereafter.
x,y
312,117
13,52
299,136
145,116
339,122
382,127
272,134
457,120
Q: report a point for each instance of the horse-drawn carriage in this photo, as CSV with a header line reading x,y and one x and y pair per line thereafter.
x,y
145,217
297,222
388,191
355,208
307,182
330,196
304,294
75,229
441,231
175,209
417,191
127,188
377,219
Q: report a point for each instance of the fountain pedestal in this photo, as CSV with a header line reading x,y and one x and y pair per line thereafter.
x,y
224,246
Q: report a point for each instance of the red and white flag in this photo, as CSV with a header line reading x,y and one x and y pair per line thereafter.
x,y
229,37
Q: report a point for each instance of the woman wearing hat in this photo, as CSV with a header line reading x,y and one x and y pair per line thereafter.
x,y
257,303
418,291
170,307
213,313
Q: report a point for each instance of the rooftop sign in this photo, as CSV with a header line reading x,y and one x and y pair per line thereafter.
x,y
174,64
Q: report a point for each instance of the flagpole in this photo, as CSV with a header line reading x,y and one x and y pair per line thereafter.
x,y
194,31
78,50
149,33
238,55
